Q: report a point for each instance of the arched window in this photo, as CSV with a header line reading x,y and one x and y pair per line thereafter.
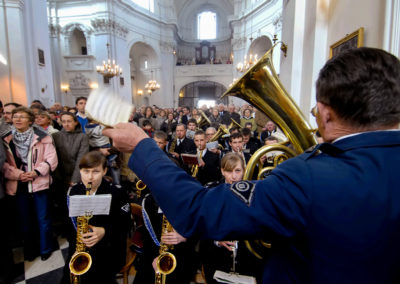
x,y
147,4
78,43
207,25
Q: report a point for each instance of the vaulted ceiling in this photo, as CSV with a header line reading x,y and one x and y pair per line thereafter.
x,y
181,4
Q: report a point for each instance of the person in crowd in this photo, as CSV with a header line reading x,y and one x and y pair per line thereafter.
x,y
149,115
208,168
333,230
169,126
71,145
97,141
233,114
31,157
236,145
191,128
215,117
250,144
54,116
270,129
148,127
106,239
161,117
224,115
181,144
80,104
185,115
6,257
43,120
217,255
247,117
7,118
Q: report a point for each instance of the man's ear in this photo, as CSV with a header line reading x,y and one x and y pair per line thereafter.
x,y
324,113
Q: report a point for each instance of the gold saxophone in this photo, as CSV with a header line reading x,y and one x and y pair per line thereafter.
x,y
81,261
172,147
166,261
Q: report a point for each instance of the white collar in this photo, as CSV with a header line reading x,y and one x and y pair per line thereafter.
x,y
358,133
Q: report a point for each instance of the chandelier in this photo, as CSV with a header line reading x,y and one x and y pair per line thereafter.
x,y
109,69
246,64
152,85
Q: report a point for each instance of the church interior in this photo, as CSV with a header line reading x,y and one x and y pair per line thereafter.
x,y
173,53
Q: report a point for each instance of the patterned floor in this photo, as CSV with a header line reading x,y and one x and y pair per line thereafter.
x,y
40,272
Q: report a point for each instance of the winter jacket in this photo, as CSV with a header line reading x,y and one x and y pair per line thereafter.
x,y
42,158
71,146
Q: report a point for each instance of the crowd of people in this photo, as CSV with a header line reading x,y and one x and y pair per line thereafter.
x,y
44,149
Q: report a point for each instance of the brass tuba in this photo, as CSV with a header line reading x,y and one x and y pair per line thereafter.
x,y
260,86
81,261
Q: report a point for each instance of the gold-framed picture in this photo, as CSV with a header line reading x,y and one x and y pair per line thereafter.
x,y
353,40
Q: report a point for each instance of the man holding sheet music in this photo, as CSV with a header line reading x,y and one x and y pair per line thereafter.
x,y
336,207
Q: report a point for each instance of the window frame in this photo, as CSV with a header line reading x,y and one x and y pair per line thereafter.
x,y
199,25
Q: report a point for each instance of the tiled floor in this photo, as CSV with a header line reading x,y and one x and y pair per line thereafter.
x,y
42,272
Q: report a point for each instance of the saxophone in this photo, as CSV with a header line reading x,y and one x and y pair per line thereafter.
x,y
166,261
81,261
172,147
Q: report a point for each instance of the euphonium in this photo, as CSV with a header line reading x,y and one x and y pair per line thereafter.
x,y
202,120
81,261
166,261
140,185
260,86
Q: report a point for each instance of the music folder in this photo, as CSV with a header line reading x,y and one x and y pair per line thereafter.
x,y
233,278
190,159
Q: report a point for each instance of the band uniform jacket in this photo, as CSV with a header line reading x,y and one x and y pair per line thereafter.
x,y
211,171
336,209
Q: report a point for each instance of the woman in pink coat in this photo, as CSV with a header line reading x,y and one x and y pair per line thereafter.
x,y
31,157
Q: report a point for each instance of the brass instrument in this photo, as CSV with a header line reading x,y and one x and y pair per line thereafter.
x,y
173,146
260,86
81,261
140,185
202,120
166,261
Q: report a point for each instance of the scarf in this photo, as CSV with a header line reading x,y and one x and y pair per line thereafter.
x,y
22,141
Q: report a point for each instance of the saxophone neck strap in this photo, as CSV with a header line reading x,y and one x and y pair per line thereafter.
x,y
148,224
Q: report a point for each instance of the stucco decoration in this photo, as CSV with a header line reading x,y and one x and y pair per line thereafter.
x,y
109,26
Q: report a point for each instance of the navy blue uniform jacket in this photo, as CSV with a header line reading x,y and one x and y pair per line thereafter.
x,y
337,212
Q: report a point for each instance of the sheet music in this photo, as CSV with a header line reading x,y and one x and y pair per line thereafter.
x,y
97,204
232,278
212,145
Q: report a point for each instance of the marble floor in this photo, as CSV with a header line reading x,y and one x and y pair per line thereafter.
x,y
49,271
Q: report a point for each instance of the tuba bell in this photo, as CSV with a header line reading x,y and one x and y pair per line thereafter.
x,y
260,86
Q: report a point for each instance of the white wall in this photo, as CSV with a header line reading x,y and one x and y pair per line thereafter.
x,y
24,30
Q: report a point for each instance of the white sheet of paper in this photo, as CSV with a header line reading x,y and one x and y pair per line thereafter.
x,y
212,145
97,204
223,277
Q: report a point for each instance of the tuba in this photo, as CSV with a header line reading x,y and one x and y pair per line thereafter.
x,y
81,261
166,261
203,120
260,86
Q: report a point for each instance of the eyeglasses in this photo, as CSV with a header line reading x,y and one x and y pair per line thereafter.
x,y
7,112
314,111
20,117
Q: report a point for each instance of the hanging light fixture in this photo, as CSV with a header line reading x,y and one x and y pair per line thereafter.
x,y
245,65
109,69
152,85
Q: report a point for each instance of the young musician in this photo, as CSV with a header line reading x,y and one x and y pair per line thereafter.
x,y
236,144
218,255
106,240
183,249
208,161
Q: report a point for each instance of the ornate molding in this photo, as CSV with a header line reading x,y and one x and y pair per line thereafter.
x,y
67,31
109,26
79,85
277,22
167,46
